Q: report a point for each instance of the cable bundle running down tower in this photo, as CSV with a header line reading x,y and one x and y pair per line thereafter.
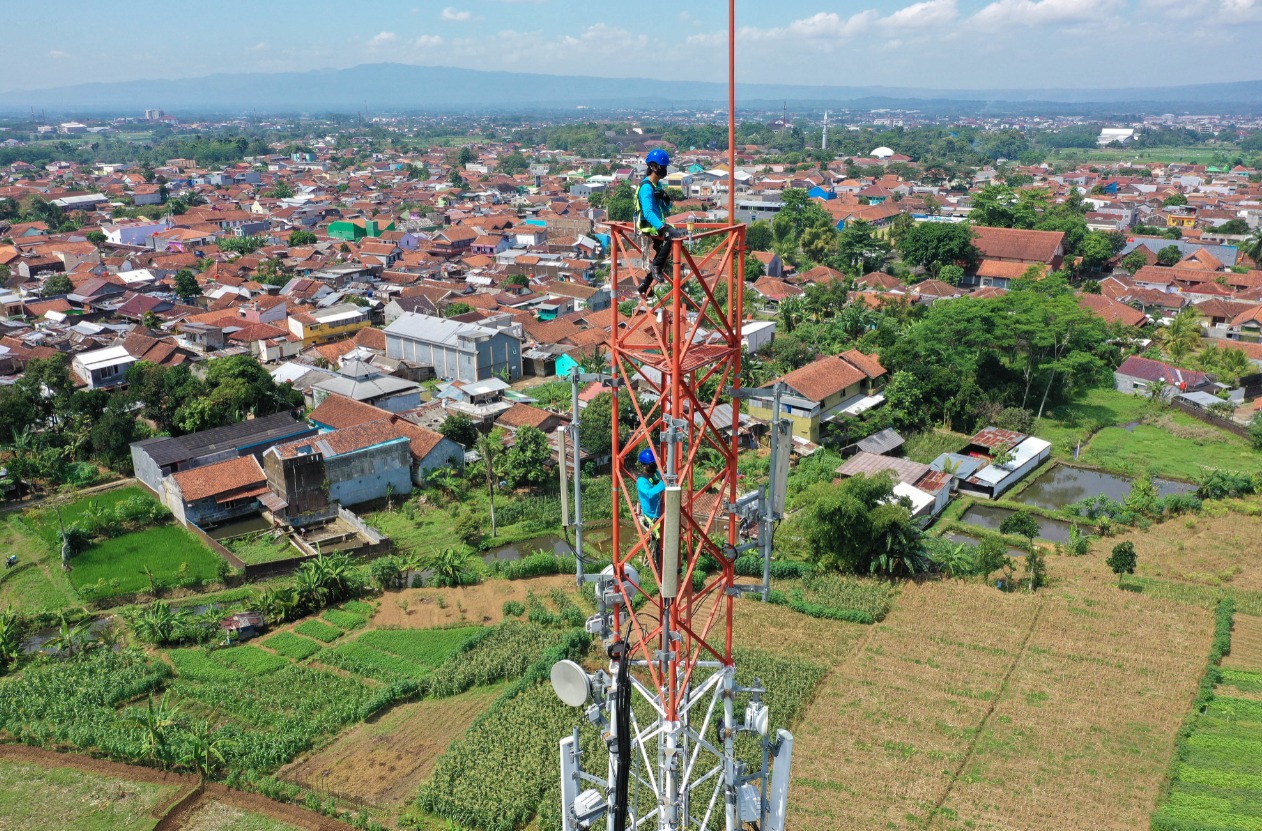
x,y
676,365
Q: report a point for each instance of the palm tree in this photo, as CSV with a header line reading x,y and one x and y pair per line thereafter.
x,y
792,310
70,637
1182,336
10,639
157,622
1252,246
489,452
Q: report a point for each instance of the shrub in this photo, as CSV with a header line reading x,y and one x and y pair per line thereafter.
x,y
513,608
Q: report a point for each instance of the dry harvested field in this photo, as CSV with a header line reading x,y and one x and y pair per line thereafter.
x,y
384,761
1246,644
968,708
210,815
1207,550
479,605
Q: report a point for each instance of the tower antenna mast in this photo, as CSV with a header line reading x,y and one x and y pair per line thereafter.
x,y
666,603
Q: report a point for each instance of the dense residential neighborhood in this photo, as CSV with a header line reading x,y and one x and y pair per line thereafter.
x,y
303,419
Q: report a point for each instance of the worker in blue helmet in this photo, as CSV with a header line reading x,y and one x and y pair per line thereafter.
x,y
652,206
650,487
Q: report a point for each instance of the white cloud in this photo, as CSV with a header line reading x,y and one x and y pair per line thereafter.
x,y
456,15
261,46
428,41
921,15
56,53
381,39
1011,13
1240,11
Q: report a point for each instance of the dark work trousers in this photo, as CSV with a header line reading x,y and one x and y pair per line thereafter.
x,y
661,257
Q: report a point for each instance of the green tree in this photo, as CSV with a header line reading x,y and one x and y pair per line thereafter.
x,y
1096,250
1174,200
1022,524
526,462
1170,255
281,190
620,204
1255,432
97,238
860,249
186,285
860,527
930,245
1123,560
951,274
490,447
158,723
57,284
451,568
1134,261
1182,335
301,238
1035,569
1252,247
999,206
459,428
992,556
758,236
512,163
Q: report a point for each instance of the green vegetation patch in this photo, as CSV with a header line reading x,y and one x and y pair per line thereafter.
x,y
359,607
498,653
71,800
249,659
361,659
425,647
345,620
319,630
116,566
292,646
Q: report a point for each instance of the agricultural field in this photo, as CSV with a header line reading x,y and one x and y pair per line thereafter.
x,y
210,815
944,715
1219,768
384,761
36,583
1189,154
115,565
1214,548
37,797
466,605
1129,434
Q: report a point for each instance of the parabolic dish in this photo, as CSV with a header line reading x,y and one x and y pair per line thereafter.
x,y
571,684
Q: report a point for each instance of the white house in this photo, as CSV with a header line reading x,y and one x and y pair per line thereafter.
x,y
101,368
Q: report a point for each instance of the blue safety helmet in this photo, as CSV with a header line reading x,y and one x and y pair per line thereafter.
x,y
658,156
646,457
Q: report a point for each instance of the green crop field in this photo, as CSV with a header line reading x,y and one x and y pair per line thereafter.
x,y
116,566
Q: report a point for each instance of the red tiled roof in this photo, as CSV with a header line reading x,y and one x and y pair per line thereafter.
x,y
1017,244
219,478
822,378
338,411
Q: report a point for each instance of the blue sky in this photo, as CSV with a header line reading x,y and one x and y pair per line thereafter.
x,y
937,43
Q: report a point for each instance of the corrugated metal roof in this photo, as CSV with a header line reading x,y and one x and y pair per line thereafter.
x,y
870,464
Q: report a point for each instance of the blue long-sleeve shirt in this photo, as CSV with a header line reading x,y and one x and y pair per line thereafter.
x,y
650,497
654,202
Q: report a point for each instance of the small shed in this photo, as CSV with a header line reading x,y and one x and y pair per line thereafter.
x,y
884,443
242,626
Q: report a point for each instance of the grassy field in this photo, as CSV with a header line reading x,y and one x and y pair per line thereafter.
x,y
176,557
1129,434
36,797
36,583
109,567
929,445
1218,548
968,708
383,762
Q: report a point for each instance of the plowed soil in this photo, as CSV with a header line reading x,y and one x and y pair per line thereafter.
x,y
475,605
383,762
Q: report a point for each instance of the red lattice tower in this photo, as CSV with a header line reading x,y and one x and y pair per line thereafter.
x,y
673,346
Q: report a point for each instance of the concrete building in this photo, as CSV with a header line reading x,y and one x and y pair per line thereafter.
x,y
102,368
1139,376
363,382
455,350
324,325
348,466
217,493
155,459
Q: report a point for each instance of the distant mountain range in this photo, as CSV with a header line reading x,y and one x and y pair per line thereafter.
x,y
390,87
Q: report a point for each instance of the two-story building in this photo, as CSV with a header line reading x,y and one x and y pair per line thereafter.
x,y
827,389
324,325
456,351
